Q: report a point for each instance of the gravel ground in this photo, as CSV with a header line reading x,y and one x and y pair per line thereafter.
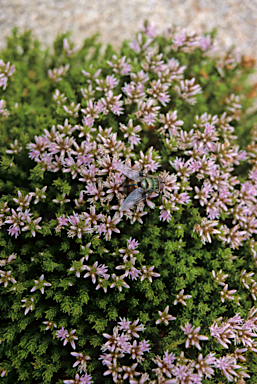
x,y
235,20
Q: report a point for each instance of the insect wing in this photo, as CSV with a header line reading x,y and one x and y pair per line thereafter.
x,y
133,198
129,172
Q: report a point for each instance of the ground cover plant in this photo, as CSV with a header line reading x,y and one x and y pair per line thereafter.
x,y
162,292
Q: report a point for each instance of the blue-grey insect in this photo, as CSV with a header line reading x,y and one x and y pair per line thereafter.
x,y
139,186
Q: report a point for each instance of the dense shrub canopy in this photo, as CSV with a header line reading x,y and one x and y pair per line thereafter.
x,y
162,292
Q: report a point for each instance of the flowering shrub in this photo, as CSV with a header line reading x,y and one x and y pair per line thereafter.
x,y
162,292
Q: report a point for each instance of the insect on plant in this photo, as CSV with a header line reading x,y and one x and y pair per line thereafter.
x,y
139,186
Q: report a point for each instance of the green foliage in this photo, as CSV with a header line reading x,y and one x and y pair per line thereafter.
x,y
29,353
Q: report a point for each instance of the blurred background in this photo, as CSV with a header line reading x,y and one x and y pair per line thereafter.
x,y
235,20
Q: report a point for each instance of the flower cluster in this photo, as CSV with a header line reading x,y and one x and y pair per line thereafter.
x,y
141,127
165,317
95,159
28,304
212,162
40,284
6,277
237,329
57,74
68,337
6,70
193,336
170,369
86,379
8,259
119,344
100,277
22,219
67,48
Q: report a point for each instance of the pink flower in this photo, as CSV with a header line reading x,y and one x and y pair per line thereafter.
x,y
14,231
227,364
113,369
206,228
49,325
62,221
6,70
6,277
120,66
81,361
226,294
119,282
180,298
193,337
94,271
165,317
28,305
147,273
134,328
110,225
62,333
86,379
187,90
204,365
67,336
32,225
40,284
56,74
66,47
